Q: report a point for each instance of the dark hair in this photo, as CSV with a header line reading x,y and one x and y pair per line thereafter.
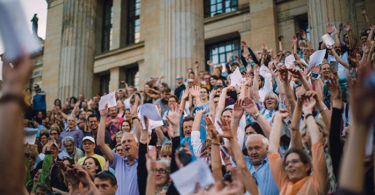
x,y
96,163
92,116
256,127
108,176
187,118
166,90
44,188
127,121
226,109
215,77
175,97
205,88
57,100
305,158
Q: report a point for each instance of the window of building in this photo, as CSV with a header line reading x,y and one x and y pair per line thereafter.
x,y
218,53
104,84
130,74
216,7
134,22
107,25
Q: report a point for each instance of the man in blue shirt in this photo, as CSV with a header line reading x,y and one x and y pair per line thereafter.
x,y
257,163
39,100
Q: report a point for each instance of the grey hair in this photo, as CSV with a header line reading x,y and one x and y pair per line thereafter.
x,y
166,162
127,133
264,139
68,138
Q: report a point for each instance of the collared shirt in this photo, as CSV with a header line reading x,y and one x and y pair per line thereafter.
x,y
126,175
263,177
76,154
76,134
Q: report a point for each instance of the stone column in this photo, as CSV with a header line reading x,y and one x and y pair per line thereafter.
x,y
322,12
263,24
114,81
77,49
183,33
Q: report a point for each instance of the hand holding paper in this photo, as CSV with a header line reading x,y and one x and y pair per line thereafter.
x,y
109,99
236,78
317,58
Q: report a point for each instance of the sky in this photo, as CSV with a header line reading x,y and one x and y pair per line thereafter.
x,y
30,7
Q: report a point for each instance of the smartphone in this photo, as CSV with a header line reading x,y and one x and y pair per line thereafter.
x,y
184,157
315,76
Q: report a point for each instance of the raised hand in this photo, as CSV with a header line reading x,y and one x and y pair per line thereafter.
x,y
243,44
334,88
348,27
238,109
283,73
303,35
329,28
282,113
196,64
250,107
295,72
308,104
174,116
210,128
185,94
195,91
151,160
294,39
16,76
227,129
104,112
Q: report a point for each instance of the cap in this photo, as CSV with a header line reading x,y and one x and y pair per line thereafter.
x,y
178,77
89,138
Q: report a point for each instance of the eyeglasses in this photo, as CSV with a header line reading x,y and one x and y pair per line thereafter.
x,y
161,171
54,133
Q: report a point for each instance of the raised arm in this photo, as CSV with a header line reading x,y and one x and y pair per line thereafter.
x,y
221,104
195,92
337,57
11,125
151,171
252,110
195,134
296,138
212,106
106,150
276,131
247,179
283,75
215,150
237,114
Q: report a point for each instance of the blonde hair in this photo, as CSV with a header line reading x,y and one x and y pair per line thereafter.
x,y
273,96
166,149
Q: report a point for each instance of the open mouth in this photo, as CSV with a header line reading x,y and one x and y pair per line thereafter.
x,y
127,149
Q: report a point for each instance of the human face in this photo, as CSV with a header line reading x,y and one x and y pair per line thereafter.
x,y
162,174
206,78
171,102
220,82
105,187
69,147
118,138
187,128
213,81
43,139
227,115
37,177
38,191
128,114
256,150
166,156
71,122
54,133
113,112
295,168
325,70
129,146
204,94
125,127
54,151
82,115
249,131
179,82
93,123
88,146
90,166
270,103
119,150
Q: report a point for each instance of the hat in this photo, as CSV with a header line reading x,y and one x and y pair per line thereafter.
x,y
190,80
178,77
89,138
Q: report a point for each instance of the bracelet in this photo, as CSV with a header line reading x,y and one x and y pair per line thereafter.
x,y
215,144
256,116
308,115
228,164
13,98
134,117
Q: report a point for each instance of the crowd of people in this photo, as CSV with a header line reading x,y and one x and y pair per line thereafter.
x,y
287,128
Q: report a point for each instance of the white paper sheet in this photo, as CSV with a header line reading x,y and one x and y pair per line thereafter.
x,y
328,41
317,58
236,78
152,113
109,99
14,31
30,135
289,61
186,178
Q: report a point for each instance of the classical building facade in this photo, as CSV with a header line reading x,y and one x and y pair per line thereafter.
x,y
92,45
